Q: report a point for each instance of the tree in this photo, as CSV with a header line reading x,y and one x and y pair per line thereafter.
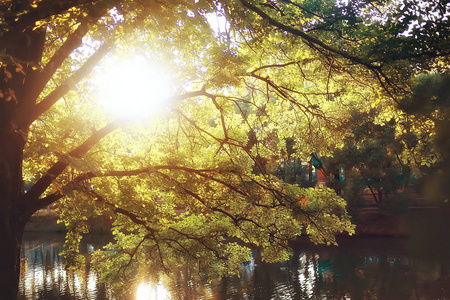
x,y
40,65
427,110
184,184
291,170
374,156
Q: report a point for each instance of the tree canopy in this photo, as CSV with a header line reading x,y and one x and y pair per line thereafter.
x,y
194,185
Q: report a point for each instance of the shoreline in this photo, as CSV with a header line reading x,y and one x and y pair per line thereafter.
x,y
369,221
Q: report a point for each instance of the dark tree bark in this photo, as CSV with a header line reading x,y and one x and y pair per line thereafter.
x,y
13,215
15,79
21,82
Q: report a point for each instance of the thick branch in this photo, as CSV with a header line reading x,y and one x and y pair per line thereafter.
x,y
24,120
32,196
73,41
43,202
205,173
135,172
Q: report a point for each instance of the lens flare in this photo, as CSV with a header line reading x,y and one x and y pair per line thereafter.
x,y
133,87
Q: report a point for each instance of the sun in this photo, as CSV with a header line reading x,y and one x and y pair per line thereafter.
x,y
133,87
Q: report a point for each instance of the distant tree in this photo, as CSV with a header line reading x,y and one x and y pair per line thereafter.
x,y
372,158
428,111
293,172
290,169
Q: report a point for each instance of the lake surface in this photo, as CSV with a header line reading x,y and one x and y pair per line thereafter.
x,y
363,268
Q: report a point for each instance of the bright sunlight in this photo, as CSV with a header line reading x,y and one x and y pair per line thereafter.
x,y
147,291
134,87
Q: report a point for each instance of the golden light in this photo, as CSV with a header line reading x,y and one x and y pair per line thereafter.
x,y
147,291
133,87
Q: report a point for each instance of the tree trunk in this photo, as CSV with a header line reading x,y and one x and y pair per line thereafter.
x,y
13,213
21,82
13,216
24,50
11,237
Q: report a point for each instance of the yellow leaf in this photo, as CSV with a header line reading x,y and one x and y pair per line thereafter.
x,y
8,74
12,95
19,68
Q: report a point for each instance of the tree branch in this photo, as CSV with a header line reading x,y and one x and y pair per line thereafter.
x,y
43,202
310,39
135,172
73,41
274,66
45,10
25,119
32,196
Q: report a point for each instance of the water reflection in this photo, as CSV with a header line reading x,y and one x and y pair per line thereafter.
x,y
43,275
150,291
362,269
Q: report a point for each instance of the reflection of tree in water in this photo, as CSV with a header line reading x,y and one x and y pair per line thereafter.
x,y
43,275
340,274
184,283
312,273
382,277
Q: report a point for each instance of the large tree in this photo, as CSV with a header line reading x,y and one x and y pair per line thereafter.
x,y
190,187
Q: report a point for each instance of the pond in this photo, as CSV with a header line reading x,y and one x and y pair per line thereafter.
x,y
361,268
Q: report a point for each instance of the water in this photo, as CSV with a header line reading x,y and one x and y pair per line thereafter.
x,y
363,268
43,275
